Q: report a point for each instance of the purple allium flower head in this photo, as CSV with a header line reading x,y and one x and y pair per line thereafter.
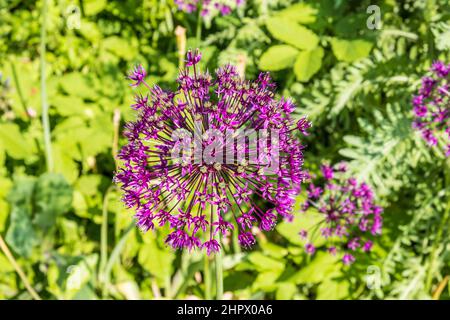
x,y
209,8
192,165
431,107
350,220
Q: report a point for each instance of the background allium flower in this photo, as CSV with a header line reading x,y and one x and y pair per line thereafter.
x,y
351,220
201,199
431,106
210,8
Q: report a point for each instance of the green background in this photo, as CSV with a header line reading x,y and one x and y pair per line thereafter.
x,y
355,84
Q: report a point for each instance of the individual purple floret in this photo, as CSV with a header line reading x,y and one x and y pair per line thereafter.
x,y
431,106
351,220
137,75
249,186
209,7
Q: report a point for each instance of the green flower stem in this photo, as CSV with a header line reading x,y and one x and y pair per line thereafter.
x,y
115,256
23,277
116,126
45,118
207,277
104,237
198,32
219,273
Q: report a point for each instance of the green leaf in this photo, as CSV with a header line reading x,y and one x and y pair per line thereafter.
x,y
308,220
14,142
78,85
67,105
333,290
308,63
64,163
322,266
278,57
157,261
20,235
53,197
21,194
120,47
266,280
263,263
300,12
350,50
286,291
92,7
292,33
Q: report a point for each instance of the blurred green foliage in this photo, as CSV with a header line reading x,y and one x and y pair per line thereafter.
x,y
354,83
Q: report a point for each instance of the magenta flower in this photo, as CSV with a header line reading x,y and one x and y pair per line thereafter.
x,y
350,218
431,106
215,156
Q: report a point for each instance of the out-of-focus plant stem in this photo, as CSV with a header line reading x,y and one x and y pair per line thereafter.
x,y
104,238
180,34
115,145
114,257
219,273
440,288
198,32
23,277
45,117
207,277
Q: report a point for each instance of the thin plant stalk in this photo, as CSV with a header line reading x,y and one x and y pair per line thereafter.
x,y
104,238
207,277
115,254
23,277
219,273
180,34
198,32
44,103
116,124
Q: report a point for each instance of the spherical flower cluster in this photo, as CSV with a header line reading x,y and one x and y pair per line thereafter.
x,y
209,8
249,186
432,106
349,219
